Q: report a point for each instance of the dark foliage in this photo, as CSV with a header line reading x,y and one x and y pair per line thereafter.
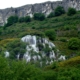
x,y
74,44
71,11
11,20
51,34
21,19
16,47
27,19
51,15
19,70
59,11
39,16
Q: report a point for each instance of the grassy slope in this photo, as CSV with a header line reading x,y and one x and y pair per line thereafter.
x,y
65,27
66,70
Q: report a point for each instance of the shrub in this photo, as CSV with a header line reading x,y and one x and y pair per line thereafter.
x,y
11,20
16,47
71,11
21,19
27,19
50,15
59,11
51,34
74,44
39,16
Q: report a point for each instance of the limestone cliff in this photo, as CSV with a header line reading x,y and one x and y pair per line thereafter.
x,y
45,8
38,50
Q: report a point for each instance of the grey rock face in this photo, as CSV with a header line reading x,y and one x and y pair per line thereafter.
x,y
38,50
71,3
45,8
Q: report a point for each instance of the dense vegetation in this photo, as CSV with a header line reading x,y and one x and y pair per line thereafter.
x,y
19,70
74,43
62,29
16,47
59,11
51,34
65,27
71,11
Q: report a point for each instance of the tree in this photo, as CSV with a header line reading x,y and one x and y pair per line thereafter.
x,y
74,44
71,11
59,11
27,19
51,34
51,15
11,20
39,16
21,19
15,48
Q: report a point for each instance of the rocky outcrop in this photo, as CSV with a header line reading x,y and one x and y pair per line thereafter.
x,y
45,8
38,50
71,3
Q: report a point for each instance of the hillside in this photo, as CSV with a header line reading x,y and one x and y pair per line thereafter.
x,y
61,33
30,9
66,27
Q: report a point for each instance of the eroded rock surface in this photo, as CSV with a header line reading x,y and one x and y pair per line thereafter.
x,y
46,8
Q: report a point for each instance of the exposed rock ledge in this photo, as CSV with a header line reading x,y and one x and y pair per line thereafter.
x,y
39,50
46,8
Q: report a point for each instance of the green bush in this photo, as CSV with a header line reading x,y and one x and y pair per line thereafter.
x,y
16,47
59,11
11,20
51,15
39,16
27,19
21,19
74,44
51,34
71,11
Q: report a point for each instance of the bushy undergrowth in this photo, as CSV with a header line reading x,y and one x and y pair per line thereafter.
x,y
74,44
16,47
63,28
19,70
